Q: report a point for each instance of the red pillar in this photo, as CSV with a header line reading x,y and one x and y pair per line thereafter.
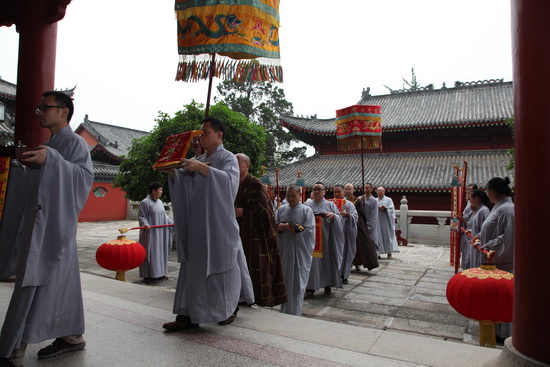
x,y
531,57
36,70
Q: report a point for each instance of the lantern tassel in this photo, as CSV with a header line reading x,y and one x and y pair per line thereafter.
x,y
487,334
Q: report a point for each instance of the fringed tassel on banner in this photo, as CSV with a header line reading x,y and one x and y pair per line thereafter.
x,y
373,142
236,70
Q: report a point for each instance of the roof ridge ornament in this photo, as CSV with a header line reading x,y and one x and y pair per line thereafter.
x,y
414,89
459,84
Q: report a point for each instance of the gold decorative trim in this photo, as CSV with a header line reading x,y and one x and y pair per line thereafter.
x,y
481,273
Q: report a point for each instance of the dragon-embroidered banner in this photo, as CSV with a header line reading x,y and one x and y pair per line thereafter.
x,y
243,34
359,126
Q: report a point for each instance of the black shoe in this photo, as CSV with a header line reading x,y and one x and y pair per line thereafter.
x,y
328,290
345,281
182,323
58,347
229,320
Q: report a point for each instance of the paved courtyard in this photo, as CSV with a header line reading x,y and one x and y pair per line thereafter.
x,y
406,293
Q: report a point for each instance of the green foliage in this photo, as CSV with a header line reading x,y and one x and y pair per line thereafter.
x,y
135,171
263,103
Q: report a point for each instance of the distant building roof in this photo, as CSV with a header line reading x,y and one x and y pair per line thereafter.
x,y
104,172
113,140
467,104
7,90
427,171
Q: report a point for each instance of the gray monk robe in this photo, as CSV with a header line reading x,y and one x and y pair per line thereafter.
x,y
474,226
388,242
47,298
156,241
325,270
212,263
465,249
350,238
497,234
296,249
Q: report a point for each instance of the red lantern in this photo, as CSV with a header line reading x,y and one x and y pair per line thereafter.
x,y
485,294
120,255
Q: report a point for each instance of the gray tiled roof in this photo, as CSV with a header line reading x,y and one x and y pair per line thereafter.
x,y
116,140
7,89
427,171
466,105
6,127
104,172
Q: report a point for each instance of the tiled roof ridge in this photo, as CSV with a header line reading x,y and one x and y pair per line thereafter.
x,y
414,154
86,119
457,86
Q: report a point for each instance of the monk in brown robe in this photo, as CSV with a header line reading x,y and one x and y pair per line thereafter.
x,y
366,254
259,237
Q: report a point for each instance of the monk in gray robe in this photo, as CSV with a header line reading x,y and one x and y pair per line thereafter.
x,y
349,214
212,264
497,234
466,250
327,261
157,241
296,226
47,299
479,206
386,217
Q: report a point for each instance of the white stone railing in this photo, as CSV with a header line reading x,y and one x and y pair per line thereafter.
x,y
432,234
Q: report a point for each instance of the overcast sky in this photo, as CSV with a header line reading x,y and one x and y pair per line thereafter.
x,y
122,55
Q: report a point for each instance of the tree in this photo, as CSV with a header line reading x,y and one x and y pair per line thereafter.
x,y
263,103
412,85
136,173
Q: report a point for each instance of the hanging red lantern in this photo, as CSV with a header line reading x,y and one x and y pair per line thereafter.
x,y
485,294
120,255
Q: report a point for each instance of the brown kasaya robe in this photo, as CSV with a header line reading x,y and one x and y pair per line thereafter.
x,y
260,243
366,249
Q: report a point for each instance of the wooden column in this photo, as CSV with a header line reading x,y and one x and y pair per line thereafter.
x,y
36,69
531,58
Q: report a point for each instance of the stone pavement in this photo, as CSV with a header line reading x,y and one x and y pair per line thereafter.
x,y
396,315
406,293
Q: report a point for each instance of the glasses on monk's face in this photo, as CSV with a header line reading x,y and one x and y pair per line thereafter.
x,y
318,189
44,108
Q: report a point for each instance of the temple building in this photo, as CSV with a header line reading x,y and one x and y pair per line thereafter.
x,y
425,132
108,144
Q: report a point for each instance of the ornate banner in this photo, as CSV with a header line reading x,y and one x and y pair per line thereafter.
x,y
175,149
4,172
318,249
245,33
339,203
359,126
458,189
